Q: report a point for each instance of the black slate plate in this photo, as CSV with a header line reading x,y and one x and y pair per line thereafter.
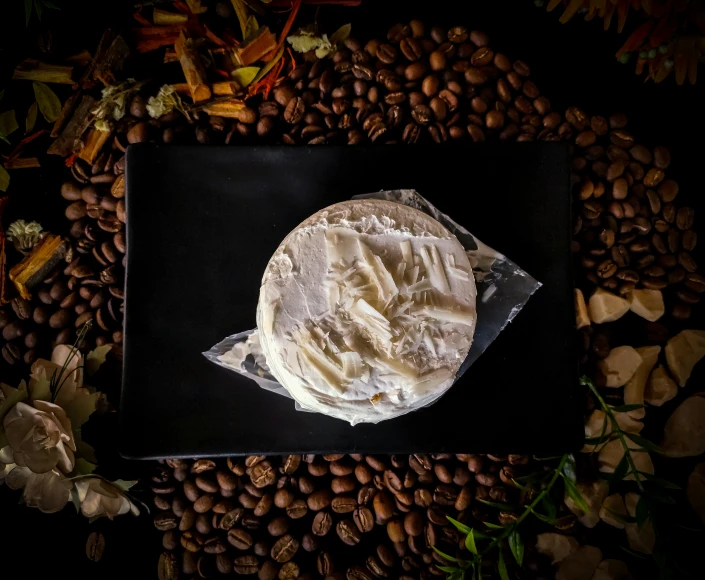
x,y
203,222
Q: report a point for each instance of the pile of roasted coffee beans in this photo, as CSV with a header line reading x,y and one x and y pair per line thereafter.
x,y
354,517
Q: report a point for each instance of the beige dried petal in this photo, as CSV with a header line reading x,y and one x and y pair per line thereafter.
x,y
611,570
647,303
620,365
581,565
684,433
696,490
683,352
556,546
101,498
594,428
613,504
634,389
582,318
593,493
604,306
660,388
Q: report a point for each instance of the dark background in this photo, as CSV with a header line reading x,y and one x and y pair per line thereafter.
x,y
572,64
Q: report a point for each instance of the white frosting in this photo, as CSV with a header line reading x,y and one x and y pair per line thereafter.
x,y
367,309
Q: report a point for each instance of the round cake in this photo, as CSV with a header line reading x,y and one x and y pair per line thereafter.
x,y
367,310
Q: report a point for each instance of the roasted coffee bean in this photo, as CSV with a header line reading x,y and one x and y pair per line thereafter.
x,y
284,549
165,521
240,539
263,505
688,240
687,262
343,504
383,506
245,565
344,484
294,111
363,519
684,218
348,532
695,282
322,523
319,500
297,509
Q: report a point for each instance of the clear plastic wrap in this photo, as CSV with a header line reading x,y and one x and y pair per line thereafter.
x,y
503,289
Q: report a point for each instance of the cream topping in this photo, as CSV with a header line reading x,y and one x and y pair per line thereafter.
x,y
365,309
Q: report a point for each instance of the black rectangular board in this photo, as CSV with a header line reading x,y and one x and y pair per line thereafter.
x,y
202,225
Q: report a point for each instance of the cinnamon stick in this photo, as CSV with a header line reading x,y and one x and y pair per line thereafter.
x,y
193,69
182,88
256,47
35,267
33,70
22,163
70,136
92,144
111,61
225,88
66,110
170,56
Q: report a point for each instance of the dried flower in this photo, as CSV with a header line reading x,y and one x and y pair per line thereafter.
x,y
40,437
166,100
99,497
307,39
24,235
113,104
48,491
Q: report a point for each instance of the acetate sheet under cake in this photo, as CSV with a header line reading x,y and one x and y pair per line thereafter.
x,y
503,289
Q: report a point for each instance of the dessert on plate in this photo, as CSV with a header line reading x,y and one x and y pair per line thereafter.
x,y
367,310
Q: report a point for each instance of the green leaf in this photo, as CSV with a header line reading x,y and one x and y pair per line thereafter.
x,y
660,495
123,485
505,507
27,12
81,407
642,511
574,494
544,518
95,358
470,543
8,122
516,545
599,439
460,527
659,481
457,575
549,505
502,567
448,569
50,5
245,75
3,137
75,499
49,103
569,468
83,467
4,179
31,118
16,396
340,35
643,442
492,526
39,8
635,554
251,27
626,408
443,555
40,389
621,517
83,449
621,470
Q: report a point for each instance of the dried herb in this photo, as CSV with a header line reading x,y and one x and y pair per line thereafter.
x,y
8,125
307,39
508,538
33,70
113,105
4,179
31,119
245,75
49,103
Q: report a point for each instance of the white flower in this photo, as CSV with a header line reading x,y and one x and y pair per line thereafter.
x,y
40,437
63,357
101,498
48,491
7,463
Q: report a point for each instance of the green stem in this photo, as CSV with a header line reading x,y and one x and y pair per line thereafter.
x,y
620,434
556,474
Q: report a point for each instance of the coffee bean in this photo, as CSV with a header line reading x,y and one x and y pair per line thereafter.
x,y
297,509
494,119
684,218
203,504
191,541
348,532
263,505
263,474
284,549
686,260
653,177
294,111
245,565
319,500
240,539
322,523
165,521
681,311
168,568
383,506
415,71
343,504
